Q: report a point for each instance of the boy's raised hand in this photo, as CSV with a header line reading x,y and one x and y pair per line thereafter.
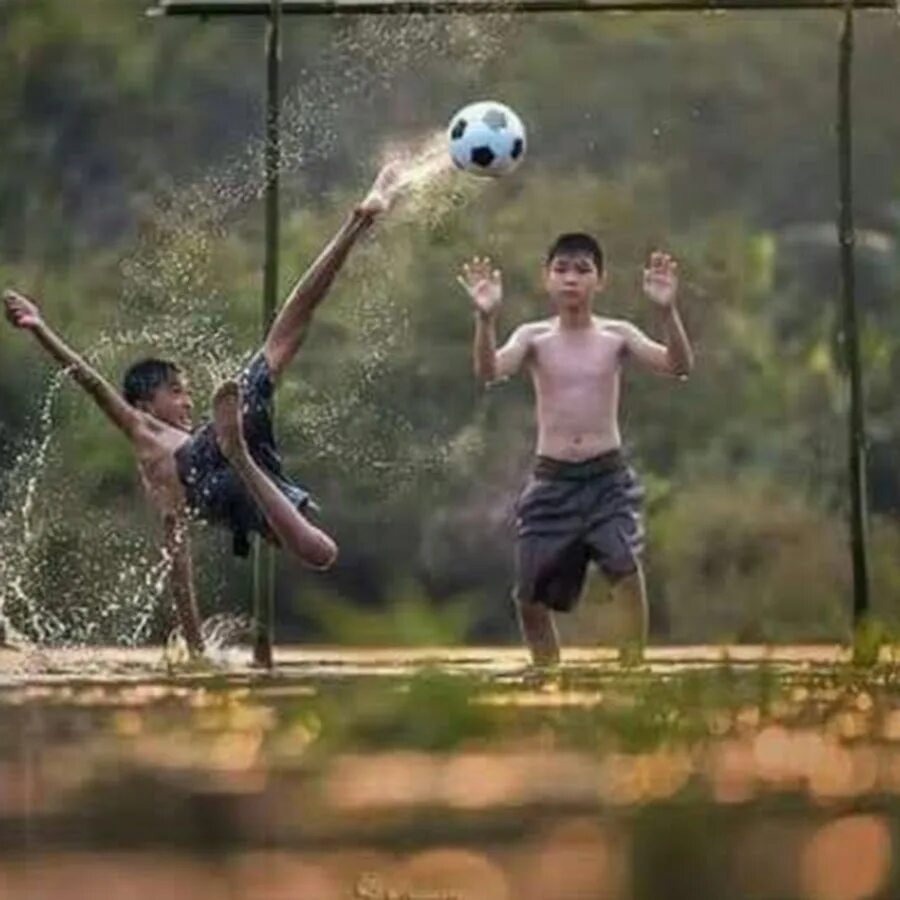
x,y
20,311
483,284
661,279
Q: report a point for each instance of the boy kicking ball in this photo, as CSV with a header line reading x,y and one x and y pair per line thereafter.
x,y
227,471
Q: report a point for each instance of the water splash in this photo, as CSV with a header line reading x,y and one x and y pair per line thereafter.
x,y
420,162
97,582
18,529
226,644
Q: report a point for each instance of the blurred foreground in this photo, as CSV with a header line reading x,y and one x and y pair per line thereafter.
x,y
705,773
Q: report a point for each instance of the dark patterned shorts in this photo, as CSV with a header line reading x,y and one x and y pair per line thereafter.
x,y
569,514
215,492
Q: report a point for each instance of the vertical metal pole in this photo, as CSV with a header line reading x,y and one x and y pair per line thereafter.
x,y
264,554
856,423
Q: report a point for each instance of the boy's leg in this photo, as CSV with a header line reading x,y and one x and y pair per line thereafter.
x,y
292,323
292,529
630,595
550,572
539,632
616,544
181,578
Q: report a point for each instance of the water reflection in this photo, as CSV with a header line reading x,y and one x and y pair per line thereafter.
x,y
450,780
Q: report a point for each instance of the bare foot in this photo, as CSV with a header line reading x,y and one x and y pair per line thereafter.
x,y
227,421
383,192
631,654
544,657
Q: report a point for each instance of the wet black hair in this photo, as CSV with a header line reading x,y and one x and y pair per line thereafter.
x,y
576,243
145,377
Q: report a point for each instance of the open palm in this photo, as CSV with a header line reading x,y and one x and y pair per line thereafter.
x,y
661,279
483,284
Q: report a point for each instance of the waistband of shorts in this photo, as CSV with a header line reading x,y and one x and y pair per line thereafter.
x,y
549,469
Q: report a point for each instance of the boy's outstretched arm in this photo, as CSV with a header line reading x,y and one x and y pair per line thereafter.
x,y
661,286
485,289
24,313
177,548
292,323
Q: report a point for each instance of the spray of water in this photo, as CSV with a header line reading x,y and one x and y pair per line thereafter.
x,y
18,535
55,588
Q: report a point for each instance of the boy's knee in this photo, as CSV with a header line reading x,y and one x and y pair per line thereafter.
x,y
325,555
532,609
535,616
624,576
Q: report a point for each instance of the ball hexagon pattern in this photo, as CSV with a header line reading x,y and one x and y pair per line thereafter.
x,y
486,138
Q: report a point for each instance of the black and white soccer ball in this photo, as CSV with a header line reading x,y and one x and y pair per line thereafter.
x,y
486,138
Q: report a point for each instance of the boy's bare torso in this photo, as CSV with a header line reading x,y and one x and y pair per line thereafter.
x,y
576,378
155,445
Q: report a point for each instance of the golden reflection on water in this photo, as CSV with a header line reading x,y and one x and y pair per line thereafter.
x,y
769,784
848,859
572,858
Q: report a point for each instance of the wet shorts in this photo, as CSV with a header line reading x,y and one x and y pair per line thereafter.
x,y
215,492
571,513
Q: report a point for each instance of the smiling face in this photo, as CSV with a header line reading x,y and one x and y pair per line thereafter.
x,y
159,388
171,403
571,280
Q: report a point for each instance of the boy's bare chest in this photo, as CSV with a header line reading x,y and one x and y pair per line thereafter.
x,y
158,468
562,360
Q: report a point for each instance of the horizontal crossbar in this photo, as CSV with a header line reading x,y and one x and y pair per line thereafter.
x,y
407,7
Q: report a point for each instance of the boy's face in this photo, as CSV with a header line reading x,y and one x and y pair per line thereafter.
x,y
171,403
571,280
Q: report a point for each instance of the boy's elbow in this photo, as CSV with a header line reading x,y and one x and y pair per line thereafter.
x,y
682,371
485,376
681,368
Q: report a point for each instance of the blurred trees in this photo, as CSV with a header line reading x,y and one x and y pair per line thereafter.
x,y
129,202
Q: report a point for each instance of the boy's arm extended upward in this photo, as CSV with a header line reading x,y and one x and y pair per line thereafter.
x,y
24,313
675,356
485,288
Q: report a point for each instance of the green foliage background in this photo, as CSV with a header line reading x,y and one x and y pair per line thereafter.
x,y
129,202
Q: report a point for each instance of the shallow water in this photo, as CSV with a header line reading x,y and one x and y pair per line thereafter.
x,y
448,772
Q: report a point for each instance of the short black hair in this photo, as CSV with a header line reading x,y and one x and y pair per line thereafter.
x,y
145,377
576,243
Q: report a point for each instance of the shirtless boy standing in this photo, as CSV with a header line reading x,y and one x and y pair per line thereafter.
x,y
582,500
227,471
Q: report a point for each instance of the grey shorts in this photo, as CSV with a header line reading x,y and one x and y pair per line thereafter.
x,y
214,491
569,514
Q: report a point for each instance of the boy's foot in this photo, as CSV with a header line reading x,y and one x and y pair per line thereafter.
x,y
631,654
383,192
544,657
540,676
227,421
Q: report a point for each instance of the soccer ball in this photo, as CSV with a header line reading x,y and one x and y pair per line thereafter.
x,y
486,138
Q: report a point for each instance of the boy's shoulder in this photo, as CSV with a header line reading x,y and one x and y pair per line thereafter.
x,y
617,326
607,322
536,327
155,437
